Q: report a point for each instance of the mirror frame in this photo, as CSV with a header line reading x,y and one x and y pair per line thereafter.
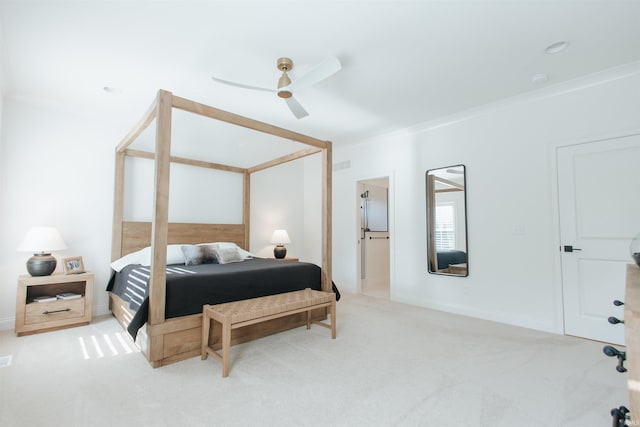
x,y
430,202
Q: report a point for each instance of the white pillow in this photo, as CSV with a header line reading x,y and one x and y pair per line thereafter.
x,y
174,255
133,258
143,257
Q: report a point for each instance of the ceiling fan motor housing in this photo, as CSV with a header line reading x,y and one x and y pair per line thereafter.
x,y
285,64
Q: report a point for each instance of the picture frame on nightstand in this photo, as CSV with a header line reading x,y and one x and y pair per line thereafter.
x,y
73,265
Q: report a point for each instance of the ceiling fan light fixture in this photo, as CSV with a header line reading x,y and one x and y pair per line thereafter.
x,y
284,81
284,94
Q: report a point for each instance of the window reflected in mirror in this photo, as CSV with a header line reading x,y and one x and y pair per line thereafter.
x,y
447,252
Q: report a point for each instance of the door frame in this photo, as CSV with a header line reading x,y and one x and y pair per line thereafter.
x,y
553,148
391,230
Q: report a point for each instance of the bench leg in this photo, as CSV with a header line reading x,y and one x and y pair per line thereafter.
x,y
308,319
206,323
226,344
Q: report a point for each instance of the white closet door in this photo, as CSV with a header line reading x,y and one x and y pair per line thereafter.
x,y
599,200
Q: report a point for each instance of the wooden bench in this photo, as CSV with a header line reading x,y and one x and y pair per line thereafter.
x,y
237,314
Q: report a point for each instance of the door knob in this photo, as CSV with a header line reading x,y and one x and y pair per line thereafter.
x,y
569,248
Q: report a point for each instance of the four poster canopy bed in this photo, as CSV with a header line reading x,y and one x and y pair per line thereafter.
x,y
160,301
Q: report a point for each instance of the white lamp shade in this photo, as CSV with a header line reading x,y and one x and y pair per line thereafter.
x,y
42,239
279,237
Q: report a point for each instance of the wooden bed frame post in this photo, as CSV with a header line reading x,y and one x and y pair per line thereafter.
x,y
160,220
118,195
246,208
118,207
326,218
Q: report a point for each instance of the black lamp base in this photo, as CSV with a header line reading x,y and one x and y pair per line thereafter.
x,y
41,265
279,252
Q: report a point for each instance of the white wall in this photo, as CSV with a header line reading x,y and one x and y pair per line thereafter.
x,y
56,169
312,229
508,149
3,84
277,202
195,194
375,158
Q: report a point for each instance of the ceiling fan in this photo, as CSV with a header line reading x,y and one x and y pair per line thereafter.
x,y
286,87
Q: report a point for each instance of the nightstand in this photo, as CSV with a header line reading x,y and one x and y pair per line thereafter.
x,y
287,259
33,316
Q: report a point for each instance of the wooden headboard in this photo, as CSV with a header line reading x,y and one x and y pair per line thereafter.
x,y
137,235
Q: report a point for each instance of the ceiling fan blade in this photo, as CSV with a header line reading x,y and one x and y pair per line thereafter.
x,y
326,68
296,108
226,82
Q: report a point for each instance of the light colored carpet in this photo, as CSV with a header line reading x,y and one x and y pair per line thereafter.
x,y
391,365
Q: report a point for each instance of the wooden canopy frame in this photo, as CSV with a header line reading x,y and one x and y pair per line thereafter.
x,y
160,228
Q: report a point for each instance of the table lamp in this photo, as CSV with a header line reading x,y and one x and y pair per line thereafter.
x,y
41,241
280,237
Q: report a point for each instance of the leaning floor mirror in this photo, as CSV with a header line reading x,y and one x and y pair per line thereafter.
x,y
447,221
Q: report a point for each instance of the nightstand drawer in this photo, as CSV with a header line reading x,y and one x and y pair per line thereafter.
x,y
39,312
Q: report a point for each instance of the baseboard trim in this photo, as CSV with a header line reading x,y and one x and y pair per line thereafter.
x,y
7,324
505,318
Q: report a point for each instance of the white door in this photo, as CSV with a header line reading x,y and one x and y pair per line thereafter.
x,y
599,200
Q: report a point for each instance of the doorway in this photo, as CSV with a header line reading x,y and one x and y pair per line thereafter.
x,y
599,205
374,240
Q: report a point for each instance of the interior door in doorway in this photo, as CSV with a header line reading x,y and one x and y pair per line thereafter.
x,y
599,201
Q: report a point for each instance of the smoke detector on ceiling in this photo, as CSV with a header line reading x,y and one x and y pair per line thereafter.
x,y
556,47
112,90
539,78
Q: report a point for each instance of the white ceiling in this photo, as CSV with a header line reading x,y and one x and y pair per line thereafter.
x,y
404,62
